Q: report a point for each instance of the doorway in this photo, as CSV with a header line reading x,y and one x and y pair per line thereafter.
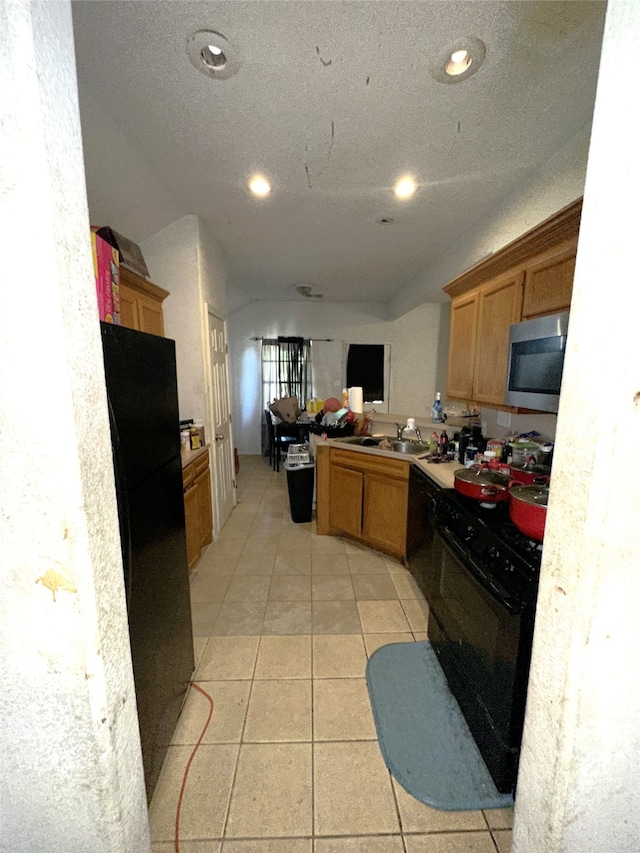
x,y
224,486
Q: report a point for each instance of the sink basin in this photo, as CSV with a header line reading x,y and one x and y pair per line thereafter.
x,y
412,447
361,440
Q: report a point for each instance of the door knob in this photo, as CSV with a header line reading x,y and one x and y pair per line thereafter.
x,y
219,436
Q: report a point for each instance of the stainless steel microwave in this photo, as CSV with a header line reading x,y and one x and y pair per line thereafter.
x,y
536,359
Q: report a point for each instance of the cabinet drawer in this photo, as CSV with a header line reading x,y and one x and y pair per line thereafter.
x,y
188,475
371,463
201,463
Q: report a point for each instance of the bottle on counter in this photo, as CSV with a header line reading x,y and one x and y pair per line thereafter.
x,y
444,443
345,398
436,410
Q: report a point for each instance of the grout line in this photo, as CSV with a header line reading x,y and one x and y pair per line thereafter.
x,y
313,750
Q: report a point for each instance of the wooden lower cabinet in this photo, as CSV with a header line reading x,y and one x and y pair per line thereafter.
x,y
364,496
385,513
196,481
191,523
345,509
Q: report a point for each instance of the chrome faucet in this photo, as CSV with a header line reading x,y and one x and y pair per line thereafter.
x,y
401,430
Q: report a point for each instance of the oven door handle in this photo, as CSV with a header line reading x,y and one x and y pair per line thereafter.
x,y
495,590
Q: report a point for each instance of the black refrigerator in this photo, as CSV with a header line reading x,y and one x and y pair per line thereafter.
x,y
142,392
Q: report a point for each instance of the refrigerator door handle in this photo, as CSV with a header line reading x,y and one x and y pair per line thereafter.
x,y
123,504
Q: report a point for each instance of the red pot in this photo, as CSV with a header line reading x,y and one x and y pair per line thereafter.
x,y
482,484
530,474
528,509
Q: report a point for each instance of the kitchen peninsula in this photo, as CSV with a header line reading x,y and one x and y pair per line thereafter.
x,y
363,492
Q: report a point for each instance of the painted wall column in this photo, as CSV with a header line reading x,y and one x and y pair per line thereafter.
x,y
71,771
580,769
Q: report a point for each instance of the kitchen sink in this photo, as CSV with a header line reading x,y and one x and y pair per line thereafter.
x,y
412,447
363,440
409,447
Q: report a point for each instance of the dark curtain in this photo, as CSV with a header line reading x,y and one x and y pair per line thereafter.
x,y
294,368
286,369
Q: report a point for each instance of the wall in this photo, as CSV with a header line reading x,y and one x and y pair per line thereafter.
x,y
185,259
172,259
418,353
71,771
556,184
211,266
580,769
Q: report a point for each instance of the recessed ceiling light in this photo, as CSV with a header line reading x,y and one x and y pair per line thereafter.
x,y
259,186
459,61
212,54
405,187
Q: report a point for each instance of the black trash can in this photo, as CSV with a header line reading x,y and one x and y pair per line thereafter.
x,y
300,477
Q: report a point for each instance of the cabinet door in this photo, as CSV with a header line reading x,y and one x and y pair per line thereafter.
x,y
385,512
128,308
498,307
192,529
205,517
548,282
150,315
345,507
464,319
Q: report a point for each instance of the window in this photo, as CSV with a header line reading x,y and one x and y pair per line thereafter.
x,y
286,369
367,366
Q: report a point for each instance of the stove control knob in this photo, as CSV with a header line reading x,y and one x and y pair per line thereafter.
x,y
470,534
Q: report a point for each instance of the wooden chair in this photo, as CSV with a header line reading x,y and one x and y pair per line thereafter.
x,y
277,440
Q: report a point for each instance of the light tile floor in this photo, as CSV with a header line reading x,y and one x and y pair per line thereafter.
x,y
283,623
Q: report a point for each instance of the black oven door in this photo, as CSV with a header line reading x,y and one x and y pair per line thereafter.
x,y
475,630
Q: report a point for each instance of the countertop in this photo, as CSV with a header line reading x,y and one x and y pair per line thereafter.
x,y
440,472
189,456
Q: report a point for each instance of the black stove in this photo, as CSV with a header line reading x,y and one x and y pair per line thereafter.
x,y
480,576
499,551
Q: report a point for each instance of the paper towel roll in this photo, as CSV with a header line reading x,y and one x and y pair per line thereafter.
x,y
355,399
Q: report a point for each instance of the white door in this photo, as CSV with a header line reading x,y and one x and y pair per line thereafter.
x,y
220,419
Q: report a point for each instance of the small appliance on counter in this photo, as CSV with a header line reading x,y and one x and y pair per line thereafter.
x,y
470,436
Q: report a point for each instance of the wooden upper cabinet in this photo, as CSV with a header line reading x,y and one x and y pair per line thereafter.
x,y
141,303
530,277
498,307
549,281
464,322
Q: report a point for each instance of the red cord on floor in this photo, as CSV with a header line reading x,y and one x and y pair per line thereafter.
x,y
191,757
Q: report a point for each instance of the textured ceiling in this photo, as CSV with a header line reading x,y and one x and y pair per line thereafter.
x,y
333,101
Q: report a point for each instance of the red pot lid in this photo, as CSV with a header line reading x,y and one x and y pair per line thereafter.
x,y
482,477
535,495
